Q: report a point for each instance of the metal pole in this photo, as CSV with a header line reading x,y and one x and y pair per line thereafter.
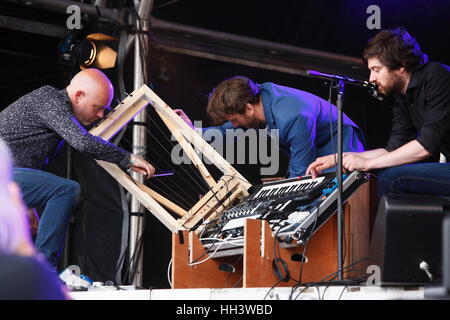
x,y
66,251
340,209
139,141
339,179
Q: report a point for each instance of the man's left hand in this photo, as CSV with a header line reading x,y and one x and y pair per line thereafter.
x,y
352,162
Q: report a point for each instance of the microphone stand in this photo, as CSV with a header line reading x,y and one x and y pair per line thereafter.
x,y
340,206
339,105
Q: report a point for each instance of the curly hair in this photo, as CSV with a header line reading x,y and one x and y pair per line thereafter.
x,y
231,96
395,48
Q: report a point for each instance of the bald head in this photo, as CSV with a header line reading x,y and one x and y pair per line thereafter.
x,y
91,93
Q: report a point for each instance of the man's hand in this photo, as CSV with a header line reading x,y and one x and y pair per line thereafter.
x,y
184,117
33,219
139,165
353,161
322,163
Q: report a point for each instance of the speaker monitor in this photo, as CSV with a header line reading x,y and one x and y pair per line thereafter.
x,y
407,239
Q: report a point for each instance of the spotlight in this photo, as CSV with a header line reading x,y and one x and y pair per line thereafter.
x,y
91,51
96,53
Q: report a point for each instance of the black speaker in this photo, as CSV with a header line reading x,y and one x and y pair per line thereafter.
x,y
407,239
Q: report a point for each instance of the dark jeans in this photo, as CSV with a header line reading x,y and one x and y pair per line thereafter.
x,y
58,197
421,178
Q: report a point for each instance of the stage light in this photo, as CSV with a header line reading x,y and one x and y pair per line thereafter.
x,y
92,51
95,52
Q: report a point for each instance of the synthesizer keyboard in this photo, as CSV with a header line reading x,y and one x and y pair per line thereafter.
x,y
294,208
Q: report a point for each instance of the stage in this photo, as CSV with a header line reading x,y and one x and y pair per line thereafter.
x,y
260,294
207,148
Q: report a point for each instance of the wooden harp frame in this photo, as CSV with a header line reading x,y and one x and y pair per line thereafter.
x,y
231,186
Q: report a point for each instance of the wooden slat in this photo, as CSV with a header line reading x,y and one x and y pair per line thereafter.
x,y
129,184
213,204
237,194
207,197
162,200
189,151
120,116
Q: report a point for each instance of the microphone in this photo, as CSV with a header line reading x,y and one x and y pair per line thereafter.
x,y
426,268
372,87
374,92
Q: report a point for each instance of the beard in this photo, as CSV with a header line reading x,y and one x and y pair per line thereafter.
x,y
251,122
392,86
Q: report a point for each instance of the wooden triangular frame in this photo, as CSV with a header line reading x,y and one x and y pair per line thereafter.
x,y
231,186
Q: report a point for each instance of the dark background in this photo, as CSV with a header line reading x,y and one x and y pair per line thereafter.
x,y
28,61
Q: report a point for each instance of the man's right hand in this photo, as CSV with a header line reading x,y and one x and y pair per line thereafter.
x,y
185,118
322,163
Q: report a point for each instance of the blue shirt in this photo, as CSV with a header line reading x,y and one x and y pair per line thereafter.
x,y
303,121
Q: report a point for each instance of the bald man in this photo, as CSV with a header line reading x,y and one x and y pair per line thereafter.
x,y
35,126
90,92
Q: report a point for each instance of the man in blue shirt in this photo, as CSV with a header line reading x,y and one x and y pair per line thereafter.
x,y
303,119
